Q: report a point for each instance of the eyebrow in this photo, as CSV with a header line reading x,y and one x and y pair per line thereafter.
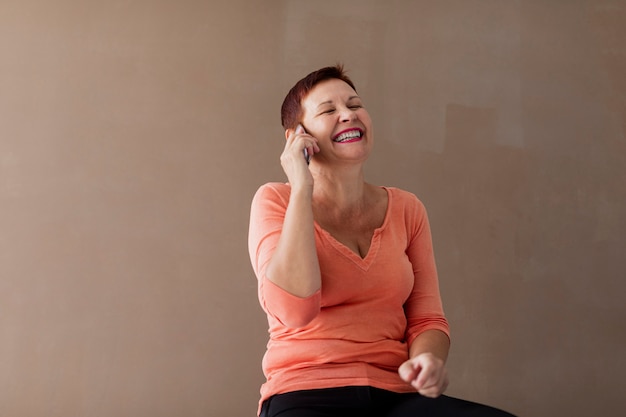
x,y
331,102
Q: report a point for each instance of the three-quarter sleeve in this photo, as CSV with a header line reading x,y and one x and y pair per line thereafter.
x,y
423,309
267,215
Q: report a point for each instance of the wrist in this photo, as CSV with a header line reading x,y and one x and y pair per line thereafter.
x,y
302,192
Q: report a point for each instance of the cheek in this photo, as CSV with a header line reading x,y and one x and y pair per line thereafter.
x,y
364,116
316,128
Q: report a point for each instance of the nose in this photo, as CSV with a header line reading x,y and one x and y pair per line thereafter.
x,y
347,114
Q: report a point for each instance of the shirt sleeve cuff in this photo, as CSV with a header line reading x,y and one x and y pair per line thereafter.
x,y
291,310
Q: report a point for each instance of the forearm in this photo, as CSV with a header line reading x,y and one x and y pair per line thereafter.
x,y
294,265
431,341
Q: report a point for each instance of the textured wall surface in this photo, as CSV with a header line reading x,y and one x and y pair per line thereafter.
x,y
133,135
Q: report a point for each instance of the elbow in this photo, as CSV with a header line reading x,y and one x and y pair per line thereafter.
x,y
290,310
299,319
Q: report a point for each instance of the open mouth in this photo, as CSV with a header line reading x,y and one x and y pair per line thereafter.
x,y
350,135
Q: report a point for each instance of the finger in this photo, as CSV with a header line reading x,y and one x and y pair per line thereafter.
x,y
431,392
426,377
434,391
310,144
296,143
291,133
407,371
438,386
309,147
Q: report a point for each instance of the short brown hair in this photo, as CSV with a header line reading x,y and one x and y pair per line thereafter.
x,y
291,110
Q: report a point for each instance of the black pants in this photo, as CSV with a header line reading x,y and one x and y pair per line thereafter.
x,y
371,402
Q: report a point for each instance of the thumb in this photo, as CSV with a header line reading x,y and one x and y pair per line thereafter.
x,y
407,371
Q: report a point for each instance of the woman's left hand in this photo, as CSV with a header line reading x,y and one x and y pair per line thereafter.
x,y
426,373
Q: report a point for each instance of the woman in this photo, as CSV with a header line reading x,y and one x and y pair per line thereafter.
x,y
346,274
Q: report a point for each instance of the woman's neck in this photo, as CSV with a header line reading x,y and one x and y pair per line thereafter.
x,y
341,187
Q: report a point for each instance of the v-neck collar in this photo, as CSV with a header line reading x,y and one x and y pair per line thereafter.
x,y
362,262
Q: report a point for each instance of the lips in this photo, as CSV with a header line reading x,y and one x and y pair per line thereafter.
x,y
348,135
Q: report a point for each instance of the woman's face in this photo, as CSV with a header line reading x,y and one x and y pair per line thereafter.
x,y
334,114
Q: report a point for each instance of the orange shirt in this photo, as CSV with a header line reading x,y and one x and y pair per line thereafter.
x,y
368,310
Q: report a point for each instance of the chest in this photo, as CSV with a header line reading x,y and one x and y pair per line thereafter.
x,y
382,275
353,230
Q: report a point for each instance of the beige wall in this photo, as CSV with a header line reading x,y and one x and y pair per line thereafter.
x,y
134,133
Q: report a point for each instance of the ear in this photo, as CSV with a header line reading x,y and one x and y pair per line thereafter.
x,y
298,129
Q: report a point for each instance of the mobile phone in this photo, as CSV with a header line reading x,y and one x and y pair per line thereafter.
x,y
307,157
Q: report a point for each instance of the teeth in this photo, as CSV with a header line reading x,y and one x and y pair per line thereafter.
x,y
348,135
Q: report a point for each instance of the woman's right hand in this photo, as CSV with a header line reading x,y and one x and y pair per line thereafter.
x,y
292,158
